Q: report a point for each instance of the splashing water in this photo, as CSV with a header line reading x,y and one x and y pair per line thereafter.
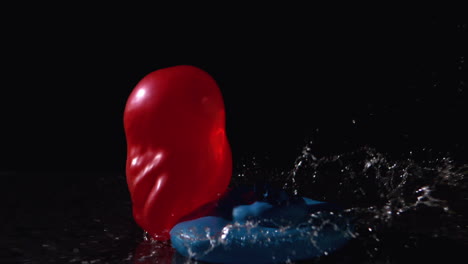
x,y
401,210
398,206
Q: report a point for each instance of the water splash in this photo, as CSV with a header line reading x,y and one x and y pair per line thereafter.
x,y
396,206
415,200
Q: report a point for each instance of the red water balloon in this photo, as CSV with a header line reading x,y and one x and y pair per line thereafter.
x,y
178,155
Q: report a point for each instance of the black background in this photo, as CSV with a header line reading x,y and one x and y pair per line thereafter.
x,y
285,80
392,81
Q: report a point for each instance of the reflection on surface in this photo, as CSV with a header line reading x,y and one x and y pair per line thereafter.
x,y
156,252
407,211
153,252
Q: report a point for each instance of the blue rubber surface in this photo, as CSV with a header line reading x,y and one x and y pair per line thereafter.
x,y
263,232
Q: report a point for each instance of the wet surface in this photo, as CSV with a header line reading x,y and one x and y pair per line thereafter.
x,y
66,218
404,210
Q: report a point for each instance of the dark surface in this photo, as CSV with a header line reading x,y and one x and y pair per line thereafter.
x,y
66,218
394,82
